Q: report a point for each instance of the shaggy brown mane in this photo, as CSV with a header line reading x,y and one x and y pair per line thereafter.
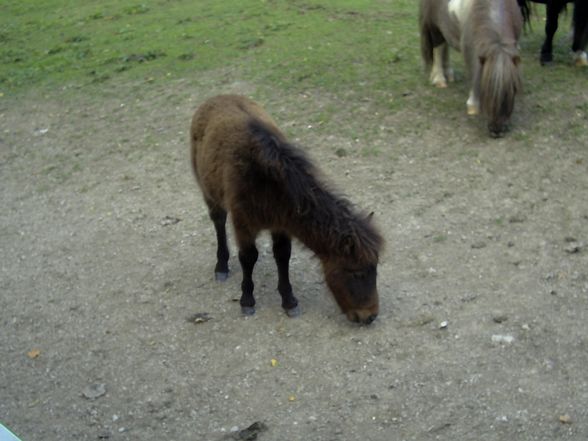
x,y
331,216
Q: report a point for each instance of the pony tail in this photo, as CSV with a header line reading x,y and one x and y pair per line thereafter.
x,y
500,80
283,163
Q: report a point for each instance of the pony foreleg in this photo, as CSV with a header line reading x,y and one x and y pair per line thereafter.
x,y
447,69
282,248
440,62
551,23
473,104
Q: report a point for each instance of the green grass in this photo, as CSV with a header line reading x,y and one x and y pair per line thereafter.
x,y
332,44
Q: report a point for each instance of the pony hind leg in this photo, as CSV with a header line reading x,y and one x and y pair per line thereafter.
x,y
219,218
440,64
282,248
247,258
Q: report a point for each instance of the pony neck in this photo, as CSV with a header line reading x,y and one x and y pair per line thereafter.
x,y
328,225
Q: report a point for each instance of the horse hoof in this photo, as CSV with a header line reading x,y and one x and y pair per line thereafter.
x,y
440,85
293,312
473,110
545,59
221,277
582,60
247,310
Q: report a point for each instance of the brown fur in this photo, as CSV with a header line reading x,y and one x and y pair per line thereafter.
x,y
245,166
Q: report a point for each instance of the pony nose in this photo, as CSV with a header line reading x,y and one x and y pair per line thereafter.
x,y
370,319
362,316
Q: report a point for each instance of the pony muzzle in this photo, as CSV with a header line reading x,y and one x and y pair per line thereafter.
x,y
364,316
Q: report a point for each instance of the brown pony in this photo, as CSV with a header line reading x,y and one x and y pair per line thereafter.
x,y
245,166
487,33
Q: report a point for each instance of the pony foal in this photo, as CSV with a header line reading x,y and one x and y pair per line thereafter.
x,y
245,166
487,34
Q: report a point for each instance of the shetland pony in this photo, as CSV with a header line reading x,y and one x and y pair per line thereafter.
x,y
245,166
579,20
487,33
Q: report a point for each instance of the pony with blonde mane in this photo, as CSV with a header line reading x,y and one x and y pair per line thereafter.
x,y
486,32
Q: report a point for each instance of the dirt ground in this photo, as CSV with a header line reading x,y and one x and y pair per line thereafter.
x,y
107,256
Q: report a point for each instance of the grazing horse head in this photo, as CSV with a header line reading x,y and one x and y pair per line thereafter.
x,y
500,81
351,273
354,290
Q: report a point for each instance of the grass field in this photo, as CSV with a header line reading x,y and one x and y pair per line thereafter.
x,y
356,48
328,44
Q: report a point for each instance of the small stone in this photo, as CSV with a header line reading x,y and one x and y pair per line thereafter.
x,y
498,338
170,220
565,419
199,317
500,318
574,247
478,245
517,219
250,433
443,324
94,391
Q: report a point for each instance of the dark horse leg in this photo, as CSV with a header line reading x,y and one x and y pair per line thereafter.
x,y
219,218
247,257
580,30
553,7
282,248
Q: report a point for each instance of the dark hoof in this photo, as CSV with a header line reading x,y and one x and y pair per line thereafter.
x,y
247,310
546,59
293,312
221,277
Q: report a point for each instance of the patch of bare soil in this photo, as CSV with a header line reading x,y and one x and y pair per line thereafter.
x,y
112,326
